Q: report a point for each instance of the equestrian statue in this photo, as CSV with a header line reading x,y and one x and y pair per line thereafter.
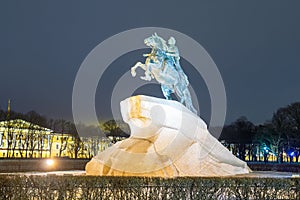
x,y
162,64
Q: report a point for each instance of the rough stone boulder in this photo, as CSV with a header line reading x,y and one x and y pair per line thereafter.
x,y
166,140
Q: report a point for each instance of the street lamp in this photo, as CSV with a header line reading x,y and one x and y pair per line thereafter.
x,y
49,162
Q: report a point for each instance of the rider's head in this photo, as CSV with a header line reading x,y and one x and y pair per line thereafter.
x,y
171,41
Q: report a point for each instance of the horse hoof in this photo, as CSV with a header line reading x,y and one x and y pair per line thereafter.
x,y
145,78
133,73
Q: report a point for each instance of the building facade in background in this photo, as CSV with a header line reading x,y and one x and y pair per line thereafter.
x,y
23,139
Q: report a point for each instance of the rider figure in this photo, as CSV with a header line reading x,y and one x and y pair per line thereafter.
x,y
170,55
173,54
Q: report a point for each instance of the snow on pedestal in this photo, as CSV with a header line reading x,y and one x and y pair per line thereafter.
x,y
166,140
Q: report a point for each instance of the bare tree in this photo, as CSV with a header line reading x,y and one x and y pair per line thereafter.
x,y
9,138
35,133
62,127
115,129
240,133
51,125
286,122
77,144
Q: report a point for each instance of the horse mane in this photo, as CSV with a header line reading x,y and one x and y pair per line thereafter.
x,y
161,42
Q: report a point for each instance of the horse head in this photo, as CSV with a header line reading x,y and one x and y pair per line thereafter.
x,y
154,41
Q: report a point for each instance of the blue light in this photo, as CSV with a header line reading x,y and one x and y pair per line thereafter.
x,y
292,154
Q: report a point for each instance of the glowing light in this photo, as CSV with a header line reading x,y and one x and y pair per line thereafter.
x,y
49,162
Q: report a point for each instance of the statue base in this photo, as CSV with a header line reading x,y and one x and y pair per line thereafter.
x,y
167,140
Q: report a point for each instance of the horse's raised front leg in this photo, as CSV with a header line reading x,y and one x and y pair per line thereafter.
x,y
138,64
148,75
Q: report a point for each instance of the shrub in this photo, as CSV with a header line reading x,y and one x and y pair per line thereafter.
x,y
96,187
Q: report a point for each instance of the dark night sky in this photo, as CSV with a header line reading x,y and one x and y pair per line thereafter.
x,y
255,45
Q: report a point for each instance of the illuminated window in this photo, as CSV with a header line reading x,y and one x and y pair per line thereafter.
x,y
1,136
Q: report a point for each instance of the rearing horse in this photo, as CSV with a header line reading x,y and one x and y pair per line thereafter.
x,y
160,66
